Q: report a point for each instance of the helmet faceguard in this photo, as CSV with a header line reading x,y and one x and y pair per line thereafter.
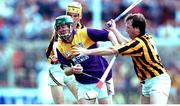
x,y
61,21
74,7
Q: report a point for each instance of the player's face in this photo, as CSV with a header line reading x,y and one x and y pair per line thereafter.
x,y
63,29
133,32
65,32
75,16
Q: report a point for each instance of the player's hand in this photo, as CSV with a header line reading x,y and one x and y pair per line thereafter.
x,y
54,59
77,69
79,51
111,25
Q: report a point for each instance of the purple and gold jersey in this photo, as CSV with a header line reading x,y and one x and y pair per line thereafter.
x,y
93,65
54,37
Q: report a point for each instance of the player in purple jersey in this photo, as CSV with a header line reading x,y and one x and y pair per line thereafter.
x,y
93,65
57,79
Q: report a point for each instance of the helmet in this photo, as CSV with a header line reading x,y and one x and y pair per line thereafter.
x,y
74,7
64,20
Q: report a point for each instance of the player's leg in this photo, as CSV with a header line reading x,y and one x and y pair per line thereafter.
x,y
107,100
87,96
103,96
71,84
86,93
85,101
56,82
160,90
158,98
156,90
145,100
57,94
145,96
110,89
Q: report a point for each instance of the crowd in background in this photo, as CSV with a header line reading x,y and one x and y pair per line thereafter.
x,y
26,25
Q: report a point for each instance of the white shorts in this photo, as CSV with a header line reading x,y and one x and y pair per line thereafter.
x,y
58,77
83,89
161,83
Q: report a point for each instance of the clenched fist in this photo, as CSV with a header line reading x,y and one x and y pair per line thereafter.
x,y
77,69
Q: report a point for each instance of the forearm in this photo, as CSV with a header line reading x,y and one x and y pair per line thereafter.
x,y
121,39
102,51
113,38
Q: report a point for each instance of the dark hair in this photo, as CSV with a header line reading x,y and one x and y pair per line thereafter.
x,y
138,21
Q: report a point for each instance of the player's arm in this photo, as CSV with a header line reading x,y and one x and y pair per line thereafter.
x,y
102,35
132,48
76,69
52,59
111,25
112,38
68,71
49,50
97,51
51,53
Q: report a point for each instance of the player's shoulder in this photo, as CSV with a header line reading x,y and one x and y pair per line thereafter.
x,y
81,31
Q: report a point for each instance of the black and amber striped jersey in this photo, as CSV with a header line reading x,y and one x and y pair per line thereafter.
x,y
54,38
144,55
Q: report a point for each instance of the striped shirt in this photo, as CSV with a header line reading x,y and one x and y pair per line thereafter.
x,y
144,55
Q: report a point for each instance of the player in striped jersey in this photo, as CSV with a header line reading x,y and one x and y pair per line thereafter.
x,y
153,76
57,79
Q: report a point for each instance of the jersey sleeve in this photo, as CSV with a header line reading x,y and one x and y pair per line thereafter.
x,y
98,35
132,48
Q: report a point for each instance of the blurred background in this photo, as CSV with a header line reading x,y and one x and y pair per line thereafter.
x,y
25,31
